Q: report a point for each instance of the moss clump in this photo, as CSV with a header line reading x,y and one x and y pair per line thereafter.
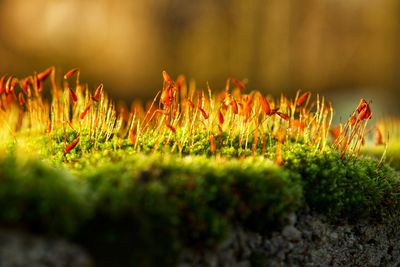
x,y
351,188
40,198
133,197
145,208
192,202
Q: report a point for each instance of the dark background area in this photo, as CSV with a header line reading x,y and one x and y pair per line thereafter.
x,y
344,49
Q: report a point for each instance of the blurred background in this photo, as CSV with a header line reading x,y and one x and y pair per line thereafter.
x,y
344,49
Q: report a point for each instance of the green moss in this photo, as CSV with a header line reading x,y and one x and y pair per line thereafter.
x,y
352,187
195,199
40,198
163,202
145,207
202,195
183,183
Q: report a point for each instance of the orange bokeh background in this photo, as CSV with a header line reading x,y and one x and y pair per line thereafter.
x,y
344,49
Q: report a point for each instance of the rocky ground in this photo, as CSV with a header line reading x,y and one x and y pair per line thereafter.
x,y
18,249
309,240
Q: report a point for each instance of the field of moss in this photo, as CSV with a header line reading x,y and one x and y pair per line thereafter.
x,y
136,188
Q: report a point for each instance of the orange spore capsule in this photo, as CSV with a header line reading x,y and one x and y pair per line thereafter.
x,y
220,117
352,120
39,84
70,73
71,146
239,84
205,116
265,105
365,113
303,98
97,93
9,98
72,94
2,80
166,77
166,96
25,83
282,115
84,111
361,105
172,128
44,74
246,107
8,84
234,105
274,111
21,99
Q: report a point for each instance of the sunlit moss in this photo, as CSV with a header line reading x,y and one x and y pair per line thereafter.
x,y
185,170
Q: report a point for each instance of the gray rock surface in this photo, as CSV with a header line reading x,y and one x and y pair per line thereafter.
x,y
308,240
18,249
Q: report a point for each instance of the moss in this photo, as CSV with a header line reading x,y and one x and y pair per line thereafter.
x,y
162,202
145,208
353,188
41,198
194,200
140,186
